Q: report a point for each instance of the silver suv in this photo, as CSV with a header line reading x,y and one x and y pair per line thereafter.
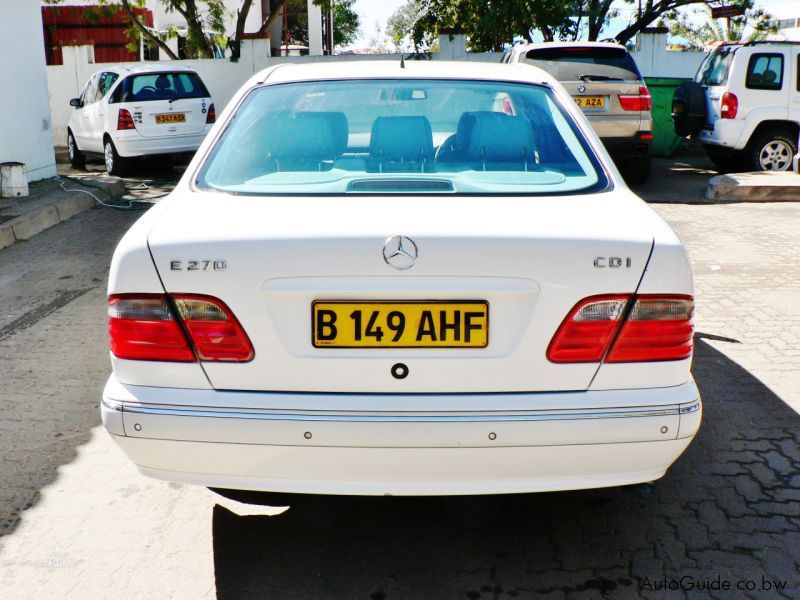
x,y
605,82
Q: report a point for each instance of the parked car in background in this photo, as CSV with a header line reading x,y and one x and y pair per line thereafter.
x,y
744,106
401,279
136,111
606,84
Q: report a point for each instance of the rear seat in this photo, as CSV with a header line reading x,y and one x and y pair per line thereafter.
x,y
301,142
402,144
491,140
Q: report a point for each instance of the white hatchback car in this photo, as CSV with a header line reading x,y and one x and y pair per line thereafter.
x,y
374,280
126,112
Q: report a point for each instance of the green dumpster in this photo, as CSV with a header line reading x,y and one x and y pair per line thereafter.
x,y
662,89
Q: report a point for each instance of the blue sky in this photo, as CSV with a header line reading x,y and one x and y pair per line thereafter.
x,y
371,11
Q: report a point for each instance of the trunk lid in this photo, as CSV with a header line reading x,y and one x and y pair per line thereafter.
x,y
164,118
531,259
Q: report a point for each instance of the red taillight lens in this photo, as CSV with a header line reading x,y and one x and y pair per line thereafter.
x,y
640,102
584,336
125,120
144,327
211,115
656,328
729,106
215,332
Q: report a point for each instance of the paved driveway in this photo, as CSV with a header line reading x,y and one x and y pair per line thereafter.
x,y
77,521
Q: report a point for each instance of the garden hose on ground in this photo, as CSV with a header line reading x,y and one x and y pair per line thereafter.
x,y
119,202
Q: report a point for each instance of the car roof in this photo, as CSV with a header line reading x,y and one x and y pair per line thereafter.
x,y
146,68
412,69
538,45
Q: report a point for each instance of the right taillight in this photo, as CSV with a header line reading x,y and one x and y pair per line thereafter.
x,y
640,102
657,328
175,328
125,120
623,328
211,115
729,106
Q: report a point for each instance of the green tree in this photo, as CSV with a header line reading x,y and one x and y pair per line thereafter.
x,y
698,28
491,25
346,23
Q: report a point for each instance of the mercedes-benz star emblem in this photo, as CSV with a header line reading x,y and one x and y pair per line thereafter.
x,y
581,88
400,252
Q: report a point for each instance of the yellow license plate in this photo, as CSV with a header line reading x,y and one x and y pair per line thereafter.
x,y
171,118
398,324
590,101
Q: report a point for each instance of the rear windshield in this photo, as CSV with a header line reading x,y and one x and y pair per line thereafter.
x,y
403,137
160,86
588,64
714,69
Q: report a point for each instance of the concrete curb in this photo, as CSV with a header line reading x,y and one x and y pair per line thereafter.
x,y
754,187
27,225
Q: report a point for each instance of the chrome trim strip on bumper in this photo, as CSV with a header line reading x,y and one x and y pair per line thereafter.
x,y
394,417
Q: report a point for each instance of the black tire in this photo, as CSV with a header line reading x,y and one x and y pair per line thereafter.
x,y
76,158
636,170
688,109
725,159
115,164
771,150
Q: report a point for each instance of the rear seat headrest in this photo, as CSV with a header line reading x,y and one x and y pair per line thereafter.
x,y
337,122
498,137
307,137
401,139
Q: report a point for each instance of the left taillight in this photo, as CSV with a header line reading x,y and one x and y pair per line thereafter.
x,y
125,120
176,328
619,329
211,115
639,102
729,106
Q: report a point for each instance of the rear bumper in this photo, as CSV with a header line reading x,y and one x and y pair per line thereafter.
x,y
624,147
728,133
131,143
604,443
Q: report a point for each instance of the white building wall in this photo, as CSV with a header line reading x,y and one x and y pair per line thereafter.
x,y
654,60
651,55
25,127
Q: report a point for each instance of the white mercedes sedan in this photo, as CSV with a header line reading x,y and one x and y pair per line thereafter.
x,y
388,279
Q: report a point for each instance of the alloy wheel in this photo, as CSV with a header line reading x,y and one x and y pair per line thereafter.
x,y
775,156
108,153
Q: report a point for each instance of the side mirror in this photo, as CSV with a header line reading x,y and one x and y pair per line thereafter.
x,y
76,102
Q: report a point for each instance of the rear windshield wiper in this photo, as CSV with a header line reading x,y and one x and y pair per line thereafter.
x,y
599,78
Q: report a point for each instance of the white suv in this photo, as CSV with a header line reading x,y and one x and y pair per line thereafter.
x,y
125,112
744,106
